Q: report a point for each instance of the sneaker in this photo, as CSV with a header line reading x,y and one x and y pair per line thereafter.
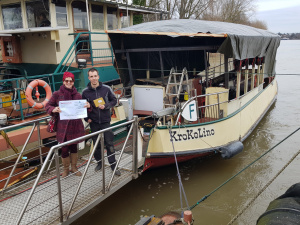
x,y
98,167
118,173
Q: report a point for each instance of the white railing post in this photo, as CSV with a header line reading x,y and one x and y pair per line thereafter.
x,y
134,148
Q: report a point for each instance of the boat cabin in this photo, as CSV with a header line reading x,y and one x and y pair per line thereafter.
x,y
40,31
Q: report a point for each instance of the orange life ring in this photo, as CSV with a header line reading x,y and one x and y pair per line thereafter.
x,y
28,93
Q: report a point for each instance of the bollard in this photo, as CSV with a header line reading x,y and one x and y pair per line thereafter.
x,y
188,216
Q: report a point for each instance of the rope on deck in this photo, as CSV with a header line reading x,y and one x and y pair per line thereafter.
x,y
208,195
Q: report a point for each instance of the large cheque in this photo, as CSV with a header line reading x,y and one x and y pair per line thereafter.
x,y
73,109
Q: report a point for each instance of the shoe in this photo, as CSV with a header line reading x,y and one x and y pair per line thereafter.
x,y
98,167
118,173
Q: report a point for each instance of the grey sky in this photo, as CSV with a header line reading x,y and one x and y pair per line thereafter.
x,y
280,15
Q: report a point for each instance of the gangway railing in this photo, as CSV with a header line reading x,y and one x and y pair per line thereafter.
x,y
63,196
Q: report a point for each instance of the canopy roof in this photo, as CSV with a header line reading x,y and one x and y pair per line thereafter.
x,y
233,40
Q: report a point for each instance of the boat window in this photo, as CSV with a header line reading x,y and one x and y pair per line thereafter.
x,y
112,20
97,17
12,16
61,14
80,17
125,20
38,13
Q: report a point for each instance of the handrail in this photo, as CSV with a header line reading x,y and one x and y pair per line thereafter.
x,y
199,107
54,149
72,48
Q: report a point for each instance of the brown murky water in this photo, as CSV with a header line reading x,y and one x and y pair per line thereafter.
x,y
157,192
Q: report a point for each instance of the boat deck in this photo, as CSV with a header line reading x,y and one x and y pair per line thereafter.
x,y
43,207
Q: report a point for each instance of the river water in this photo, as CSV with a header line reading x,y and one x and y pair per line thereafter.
x,y
241,200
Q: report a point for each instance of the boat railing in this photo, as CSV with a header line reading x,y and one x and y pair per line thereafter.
x,y
207,112
22,160
12,94
70,195
92,50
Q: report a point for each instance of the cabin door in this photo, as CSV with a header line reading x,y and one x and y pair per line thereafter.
x,y
80,24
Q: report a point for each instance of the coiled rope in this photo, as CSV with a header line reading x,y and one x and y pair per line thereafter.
x,y
208,195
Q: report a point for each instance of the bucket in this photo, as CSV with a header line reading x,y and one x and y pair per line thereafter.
x,y
3,119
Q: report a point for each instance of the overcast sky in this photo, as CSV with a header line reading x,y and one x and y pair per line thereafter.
x,y
280,15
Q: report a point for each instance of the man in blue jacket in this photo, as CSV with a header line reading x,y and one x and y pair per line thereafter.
x,y
99,115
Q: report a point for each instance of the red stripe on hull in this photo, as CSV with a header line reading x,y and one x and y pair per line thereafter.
x,y
153,162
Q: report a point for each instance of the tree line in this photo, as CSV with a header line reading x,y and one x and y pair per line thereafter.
x,y
232,11
292,36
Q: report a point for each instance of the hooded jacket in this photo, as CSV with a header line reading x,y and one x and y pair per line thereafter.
x,y
96,114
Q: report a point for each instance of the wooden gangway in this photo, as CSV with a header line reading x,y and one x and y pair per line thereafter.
x,y
49,199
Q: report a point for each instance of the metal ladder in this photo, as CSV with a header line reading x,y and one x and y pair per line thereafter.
x,y
176,79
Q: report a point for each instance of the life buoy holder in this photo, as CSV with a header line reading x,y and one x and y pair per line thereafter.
x,y
28,93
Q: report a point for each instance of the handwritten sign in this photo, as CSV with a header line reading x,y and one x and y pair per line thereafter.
x,y
73,109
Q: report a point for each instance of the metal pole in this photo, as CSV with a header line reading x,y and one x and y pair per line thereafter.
x,y
197,106
206,72
39,141
20,155
135,147
218,106
83,176
59,187
102,161
123,148
20,100
88,14
34,186
161,67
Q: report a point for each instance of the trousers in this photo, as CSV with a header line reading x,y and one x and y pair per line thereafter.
x,y
108,142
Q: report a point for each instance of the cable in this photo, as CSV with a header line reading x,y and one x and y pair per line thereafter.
x,y
181,189
208,195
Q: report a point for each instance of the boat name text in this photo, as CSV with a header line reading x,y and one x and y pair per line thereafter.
x,y
192,134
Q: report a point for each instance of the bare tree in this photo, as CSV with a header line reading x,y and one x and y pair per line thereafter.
x,y
233,11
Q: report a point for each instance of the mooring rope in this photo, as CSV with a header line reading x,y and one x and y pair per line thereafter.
x,y
265,187
181,189
208,195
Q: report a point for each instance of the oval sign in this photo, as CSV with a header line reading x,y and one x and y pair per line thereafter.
x,y
190,112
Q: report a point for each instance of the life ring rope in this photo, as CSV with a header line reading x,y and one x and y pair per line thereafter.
x,y
28,93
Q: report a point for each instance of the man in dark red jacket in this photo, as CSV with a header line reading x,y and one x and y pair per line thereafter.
x,y
99,116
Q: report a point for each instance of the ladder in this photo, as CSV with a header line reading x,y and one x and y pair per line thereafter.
x,y
175,81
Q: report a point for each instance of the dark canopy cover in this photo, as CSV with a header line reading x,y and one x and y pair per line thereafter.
x,y
241,41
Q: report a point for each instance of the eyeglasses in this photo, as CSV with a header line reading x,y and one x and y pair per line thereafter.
x,y
69,81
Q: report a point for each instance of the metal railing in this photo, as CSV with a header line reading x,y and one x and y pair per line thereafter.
x,y
13,93
205,113
20,159
95,55
66,206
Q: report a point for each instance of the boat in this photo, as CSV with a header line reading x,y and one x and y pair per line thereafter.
x,y
196,90
200,87
189,81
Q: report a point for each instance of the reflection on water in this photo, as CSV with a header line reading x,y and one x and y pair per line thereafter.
x,y
157,192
